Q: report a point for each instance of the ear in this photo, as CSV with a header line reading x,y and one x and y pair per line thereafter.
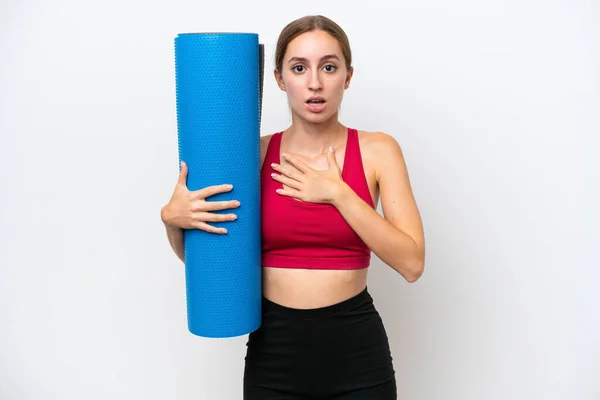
x,y
279,79
349,77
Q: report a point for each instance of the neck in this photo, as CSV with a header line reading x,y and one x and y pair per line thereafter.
x,y
311,139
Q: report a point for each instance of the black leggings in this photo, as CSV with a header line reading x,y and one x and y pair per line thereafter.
x,y
336,352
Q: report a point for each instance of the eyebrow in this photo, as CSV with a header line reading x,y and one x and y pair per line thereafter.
x,y
302,59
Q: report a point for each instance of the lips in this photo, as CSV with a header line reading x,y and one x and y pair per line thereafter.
x,y
315,105
315,100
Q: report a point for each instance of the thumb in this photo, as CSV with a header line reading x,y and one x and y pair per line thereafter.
x,y
183,174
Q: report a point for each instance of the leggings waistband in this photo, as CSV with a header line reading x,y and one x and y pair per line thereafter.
x,y
309,313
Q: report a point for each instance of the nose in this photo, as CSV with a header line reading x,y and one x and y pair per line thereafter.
x,y
314,82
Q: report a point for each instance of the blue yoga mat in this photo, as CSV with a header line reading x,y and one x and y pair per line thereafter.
x,y
219,100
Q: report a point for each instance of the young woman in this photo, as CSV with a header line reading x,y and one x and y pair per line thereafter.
x,y
321,335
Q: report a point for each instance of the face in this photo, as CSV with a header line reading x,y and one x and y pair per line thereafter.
x,y
314,67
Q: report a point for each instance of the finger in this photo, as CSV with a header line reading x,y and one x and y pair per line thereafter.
x,y
211,191
289,172
214,205
299,164
290,193
209,228
213,217
287,181
183,174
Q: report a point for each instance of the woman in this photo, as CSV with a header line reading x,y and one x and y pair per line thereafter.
x,y
321,336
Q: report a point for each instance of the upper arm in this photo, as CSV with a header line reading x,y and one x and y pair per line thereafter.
x,y
397,199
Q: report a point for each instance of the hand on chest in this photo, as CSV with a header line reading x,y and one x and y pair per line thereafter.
x,y
318,163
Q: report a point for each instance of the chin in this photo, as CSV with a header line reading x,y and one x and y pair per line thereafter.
x,y
318,117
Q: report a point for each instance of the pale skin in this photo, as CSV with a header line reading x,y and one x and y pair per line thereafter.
x,y
396,238
308,171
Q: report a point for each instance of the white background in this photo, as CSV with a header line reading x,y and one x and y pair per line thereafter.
x,y
495,105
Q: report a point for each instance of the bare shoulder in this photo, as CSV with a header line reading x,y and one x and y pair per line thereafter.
x,y
371,137
264,145
379,150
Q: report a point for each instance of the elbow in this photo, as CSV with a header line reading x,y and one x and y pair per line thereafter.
x,y
415,272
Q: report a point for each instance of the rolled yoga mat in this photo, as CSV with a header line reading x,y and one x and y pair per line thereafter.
x,y
219,102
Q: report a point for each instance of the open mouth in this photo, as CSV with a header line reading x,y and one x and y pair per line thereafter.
x,y
315,104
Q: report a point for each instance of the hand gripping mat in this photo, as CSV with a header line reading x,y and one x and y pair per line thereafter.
x,y
219,101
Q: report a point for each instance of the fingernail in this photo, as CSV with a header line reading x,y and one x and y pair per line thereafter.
x,y
229,186
331,149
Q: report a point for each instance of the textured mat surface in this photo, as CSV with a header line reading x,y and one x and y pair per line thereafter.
x,y
219,97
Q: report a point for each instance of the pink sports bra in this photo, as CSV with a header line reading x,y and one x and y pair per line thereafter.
x,y
307,235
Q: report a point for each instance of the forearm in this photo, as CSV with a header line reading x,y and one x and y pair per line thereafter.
x,y
390,244
175,236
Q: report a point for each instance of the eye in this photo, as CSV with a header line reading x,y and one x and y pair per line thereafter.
x,y
297,66
332,67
